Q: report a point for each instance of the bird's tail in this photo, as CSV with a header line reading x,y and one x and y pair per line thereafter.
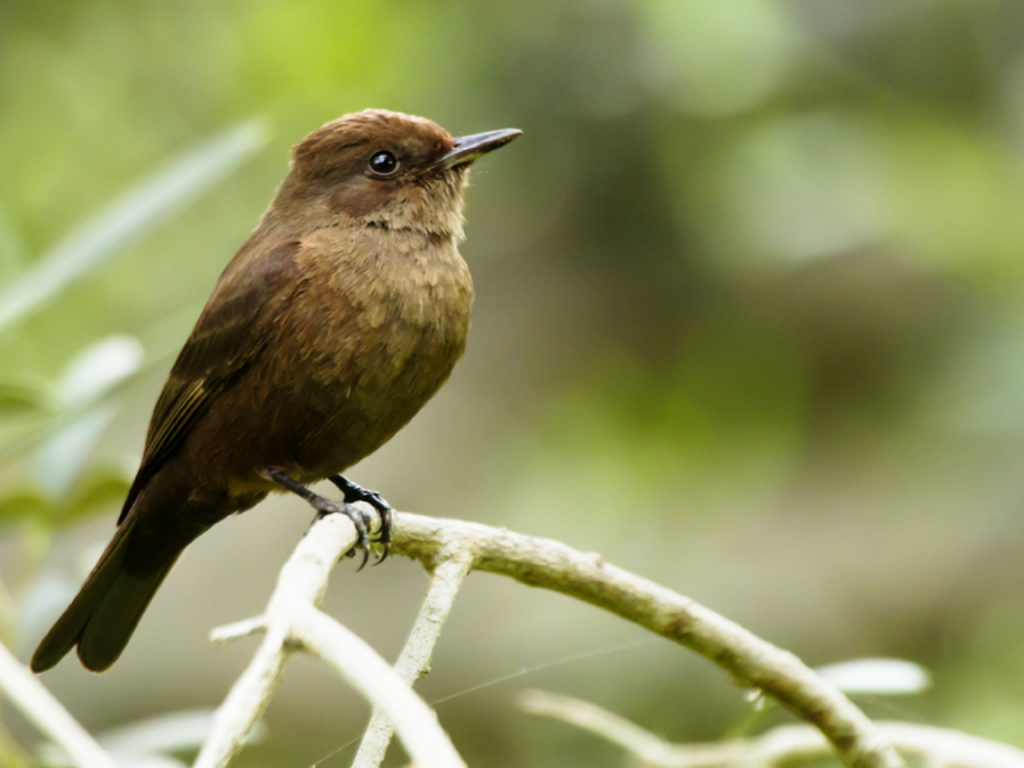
x,y
104,614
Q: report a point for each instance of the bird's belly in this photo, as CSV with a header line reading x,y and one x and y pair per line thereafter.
x,y
321,426
345,403
343,381
358,414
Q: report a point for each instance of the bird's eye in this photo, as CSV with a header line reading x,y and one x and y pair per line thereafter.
x,y
383,163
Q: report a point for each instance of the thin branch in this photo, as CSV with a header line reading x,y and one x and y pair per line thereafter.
x,y
752,661
246,702
414,661
639,742
938,747
428,745
552,565
292,621
49,716
256,625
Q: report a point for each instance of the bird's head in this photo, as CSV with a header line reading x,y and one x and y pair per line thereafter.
x,y
386,170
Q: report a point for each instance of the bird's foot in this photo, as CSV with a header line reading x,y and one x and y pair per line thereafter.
x,y
353,493
325,506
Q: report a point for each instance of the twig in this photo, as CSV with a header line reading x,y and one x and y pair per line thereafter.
x,y
414,661
641,743
290,621
753,662
938,747
49,716
542,563
372,676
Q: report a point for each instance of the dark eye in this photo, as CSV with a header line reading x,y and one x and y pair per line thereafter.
x,y
383,163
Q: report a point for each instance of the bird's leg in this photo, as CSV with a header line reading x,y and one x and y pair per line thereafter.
x,y
325,506
353,492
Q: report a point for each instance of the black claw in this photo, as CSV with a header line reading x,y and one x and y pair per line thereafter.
x,y
363,544
384,538
325,506
353,493
366,557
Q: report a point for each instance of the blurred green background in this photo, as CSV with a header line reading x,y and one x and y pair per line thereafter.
x,y
749,322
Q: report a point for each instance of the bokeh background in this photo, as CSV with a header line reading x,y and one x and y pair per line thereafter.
x,y
749,322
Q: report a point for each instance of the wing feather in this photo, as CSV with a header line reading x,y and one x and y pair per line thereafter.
x,y
228,336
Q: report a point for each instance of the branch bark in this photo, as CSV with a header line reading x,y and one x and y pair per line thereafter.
x,y
414,661
938,747
292,621
450,549
752,661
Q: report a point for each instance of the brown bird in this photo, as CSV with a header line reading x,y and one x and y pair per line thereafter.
x,y
338,319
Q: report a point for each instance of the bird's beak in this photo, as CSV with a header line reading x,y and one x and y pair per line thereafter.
x,y
469,148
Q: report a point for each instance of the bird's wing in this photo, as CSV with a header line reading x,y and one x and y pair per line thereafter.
x,y
227,337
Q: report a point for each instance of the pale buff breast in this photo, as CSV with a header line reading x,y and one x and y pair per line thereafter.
x,y
377,339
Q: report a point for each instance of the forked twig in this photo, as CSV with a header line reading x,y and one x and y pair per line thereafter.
x,y
292,621
753,662
938,747
414,661
451,548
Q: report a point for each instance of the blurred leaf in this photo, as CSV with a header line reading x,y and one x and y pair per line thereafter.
x,y
803,188
128,218
20,431
21,440
99,368
8,615
54,756
144,744
62,457
717,58
11,755
11,250
34,539
879,677
163,339
21,393
24,501
181,731
40,603
99,487
148,761
90,375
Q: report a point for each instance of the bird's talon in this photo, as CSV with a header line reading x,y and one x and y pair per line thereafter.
x,y
366,558
357,516
353,493
384,536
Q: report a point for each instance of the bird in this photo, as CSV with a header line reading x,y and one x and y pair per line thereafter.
x,y
335,322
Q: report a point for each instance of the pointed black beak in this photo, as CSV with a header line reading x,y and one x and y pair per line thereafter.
x,y
469,148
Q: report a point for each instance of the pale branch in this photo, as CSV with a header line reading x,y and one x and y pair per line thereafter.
x,y
453,547
641,743
413,663
48,715
246,702
937,747
292,621
416,723
752,661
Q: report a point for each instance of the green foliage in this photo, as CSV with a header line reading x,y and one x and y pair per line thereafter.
x,y
748,312
152,742
49,429
128,218
59,422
